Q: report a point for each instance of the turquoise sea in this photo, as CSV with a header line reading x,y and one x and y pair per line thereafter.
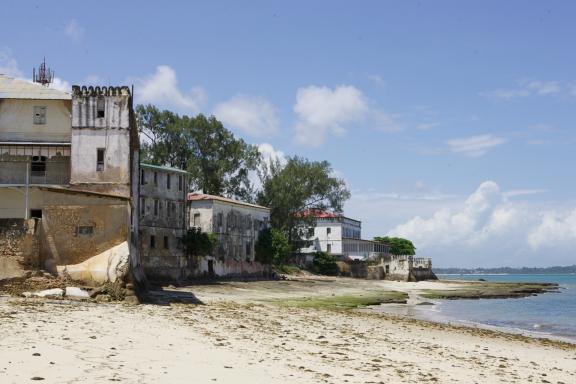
x,y
548,315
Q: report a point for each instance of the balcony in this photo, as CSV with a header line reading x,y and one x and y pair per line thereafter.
x,y
34,165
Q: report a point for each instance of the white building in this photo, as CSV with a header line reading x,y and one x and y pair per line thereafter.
x,y
340,236
236,226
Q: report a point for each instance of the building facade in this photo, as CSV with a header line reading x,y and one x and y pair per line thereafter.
x,y
163,221
236,226
69,161
340,236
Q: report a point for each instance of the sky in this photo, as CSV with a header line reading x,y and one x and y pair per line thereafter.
x,y
451,122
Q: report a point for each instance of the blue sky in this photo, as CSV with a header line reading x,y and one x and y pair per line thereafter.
x,y
452,122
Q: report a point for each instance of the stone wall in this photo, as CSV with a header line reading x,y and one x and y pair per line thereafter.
x,y
19,248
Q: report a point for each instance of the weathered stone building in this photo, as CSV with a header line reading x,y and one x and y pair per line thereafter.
x,y
236,226
163,221
406,268
70,161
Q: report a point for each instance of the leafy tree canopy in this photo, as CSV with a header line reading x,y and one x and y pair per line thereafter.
x,y
299,186
198,243
398,246
272,247
218,162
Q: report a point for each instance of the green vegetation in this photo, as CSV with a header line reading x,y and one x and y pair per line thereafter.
x,y
287,269
325,264
398,246
217,161
346,301
298,187
272,247
490,290
198,243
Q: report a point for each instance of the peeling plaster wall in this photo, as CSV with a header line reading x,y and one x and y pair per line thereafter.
x,y
112,132
19,248
163,218
17,120
236,228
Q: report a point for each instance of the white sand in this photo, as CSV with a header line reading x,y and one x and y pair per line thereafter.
x,y
236,338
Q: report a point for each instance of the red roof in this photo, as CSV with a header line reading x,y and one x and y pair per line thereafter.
x,y
317,213
207,197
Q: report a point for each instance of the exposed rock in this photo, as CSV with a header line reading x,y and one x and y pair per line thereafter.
x,y
76,293
106,267
54,292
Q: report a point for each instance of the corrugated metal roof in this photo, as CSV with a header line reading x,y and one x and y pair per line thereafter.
x,y
11,88
203,196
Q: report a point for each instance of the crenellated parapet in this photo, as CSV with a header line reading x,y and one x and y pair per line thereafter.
x,y
87,91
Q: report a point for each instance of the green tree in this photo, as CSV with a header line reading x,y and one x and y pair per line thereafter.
x,y
398,246
198,243
272,247
325,264
218,162
298,187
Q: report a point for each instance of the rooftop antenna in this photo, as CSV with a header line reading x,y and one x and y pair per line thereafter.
x,y
44,75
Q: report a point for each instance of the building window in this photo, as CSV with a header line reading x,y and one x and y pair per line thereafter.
x,y
142,206
156,207
180,184
39,115
156,178
311,232
100,107
142,177
84,230
166,242
100,159
160,205
329,248
152,241
38,166
168,181
35,213
328,230
248,248
197,220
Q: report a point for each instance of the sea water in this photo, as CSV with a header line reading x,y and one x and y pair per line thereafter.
x,y
550,314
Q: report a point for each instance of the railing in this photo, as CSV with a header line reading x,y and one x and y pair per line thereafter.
x,y
22,172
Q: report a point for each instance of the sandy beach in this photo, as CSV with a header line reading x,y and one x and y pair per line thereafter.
x,y
247,333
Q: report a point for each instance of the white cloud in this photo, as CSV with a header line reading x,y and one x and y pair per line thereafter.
x,y
322,110
377,79
426,126
8,64
270,154
474,146
162,88
543,87
487,229
556,229
61,85
252,115
527,88
74,31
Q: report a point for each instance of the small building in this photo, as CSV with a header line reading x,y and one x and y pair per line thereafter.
x,y
339,236
236,226
406,268
163,221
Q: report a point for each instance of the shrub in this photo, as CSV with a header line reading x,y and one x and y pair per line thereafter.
x,y
198,243
325,264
